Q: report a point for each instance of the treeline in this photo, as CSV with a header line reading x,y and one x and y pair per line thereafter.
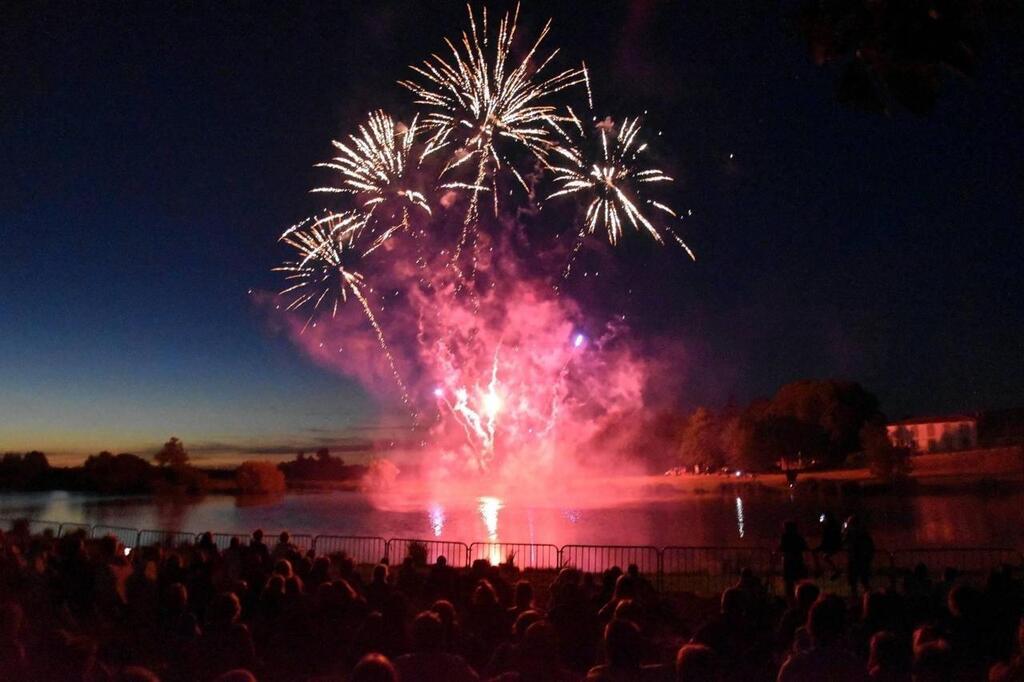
x,y
169,472
812,424
106,472
321,467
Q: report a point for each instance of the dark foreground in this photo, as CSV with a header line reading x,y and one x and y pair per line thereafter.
x,y
79,609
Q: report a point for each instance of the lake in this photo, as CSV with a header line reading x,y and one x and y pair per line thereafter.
x,y
644,515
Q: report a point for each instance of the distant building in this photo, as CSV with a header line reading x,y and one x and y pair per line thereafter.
x,y
936,434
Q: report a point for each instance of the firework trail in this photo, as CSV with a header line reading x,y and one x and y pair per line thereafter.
x,y
324,273
478,100
614,180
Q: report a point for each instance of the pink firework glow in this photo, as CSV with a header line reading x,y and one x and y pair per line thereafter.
x,y
501,373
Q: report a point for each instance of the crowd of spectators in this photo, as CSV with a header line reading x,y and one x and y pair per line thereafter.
x,y
85,609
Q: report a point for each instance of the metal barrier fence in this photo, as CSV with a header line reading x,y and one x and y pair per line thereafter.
x,y
599,558
455,553
707,569
969,560
223,540
521,554
129,537
166,538
362,550
70,528
43,527
697,569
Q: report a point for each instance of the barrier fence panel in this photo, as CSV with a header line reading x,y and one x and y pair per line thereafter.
x,y
698,569
34,526
70,528
126,536
712,569
223,540
165,538
361,549
455,553
599,558
975,561
522,554
303,541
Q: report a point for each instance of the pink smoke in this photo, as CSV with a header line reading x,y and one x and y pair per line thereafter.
x,y
505,377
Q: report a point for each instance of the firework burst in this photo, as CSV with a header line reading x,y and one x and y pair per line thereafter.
x,y
477,99
324,273
489,106
375,167
614,178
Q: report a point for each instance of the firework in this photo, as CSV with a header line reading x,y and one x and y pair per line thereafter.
x,y
485,111
615,180
478,99
324,273
375,167
477,413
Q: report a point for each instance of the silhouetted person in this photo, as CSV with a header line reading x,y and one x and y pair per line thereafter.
x,y
732,633
523,600
507,655
284,549
374,668
226,643
429,662
487,621
860,553
934,662
827,659
379,589
623,649
792,547
625,588
538,655
831,542
889,658
442,579
258,548
697,663
796,616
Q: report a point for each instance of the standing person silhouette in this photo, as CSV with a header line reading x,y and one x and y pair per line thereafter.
x,y
831,542
860,553
792,547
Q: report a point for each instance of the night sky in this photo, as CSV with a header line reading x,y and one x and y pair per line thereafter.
x,y
151,153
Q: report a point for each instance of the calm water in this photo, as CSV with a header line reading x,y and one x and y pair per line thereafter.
x,y
676,519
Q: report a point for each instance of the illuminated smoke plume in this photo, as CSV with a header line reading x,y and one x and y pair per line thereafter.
x,y
500,375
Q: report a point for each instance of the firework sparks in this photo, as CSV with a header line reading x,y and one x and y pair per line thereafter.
x,y
478,413
476,99
487,114
324,273
614,179
374,166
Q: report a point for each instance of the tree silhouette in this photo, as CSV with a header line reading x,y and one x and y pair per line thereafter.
x,y
173,453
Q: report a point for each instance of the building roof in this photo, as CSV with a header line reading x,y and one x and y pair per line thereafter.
x,y
941,419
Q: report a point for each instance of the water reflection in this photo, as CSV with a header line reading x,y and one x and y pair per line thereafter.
x,y
950,518
739,516
489,507
437,519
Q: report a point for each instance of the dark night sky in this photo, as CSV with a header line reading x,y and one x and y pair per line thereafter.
x,y
150,153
